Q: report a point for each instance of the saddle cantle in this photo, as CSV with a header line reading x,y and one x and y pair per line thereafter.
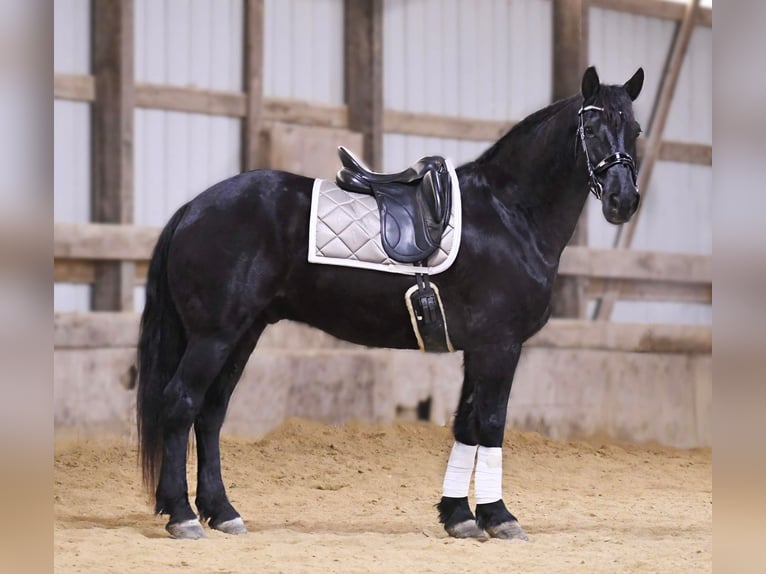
x,y
414,204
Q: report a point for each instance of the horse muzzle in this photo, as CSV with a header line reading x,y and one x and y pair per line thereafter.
x,y
620,207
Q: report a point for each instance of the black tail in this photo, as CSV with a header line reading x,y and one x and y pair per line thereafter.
x,y
160,346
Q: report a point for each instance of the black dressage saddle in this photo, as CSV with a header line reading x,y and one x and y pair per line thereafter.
x,y
414,204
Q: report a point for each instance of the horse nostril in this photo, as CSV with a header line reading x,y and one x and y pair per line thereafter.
x,y
634,203
612,202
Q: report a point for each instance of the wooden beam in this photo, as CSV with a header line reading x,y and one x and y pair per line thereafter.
x,y
570,46
664,9
112,141
253,83
636,265
82,272
77,271
189,99
431,125
305,113
624,236
103,241
647,290
363,57
570,59
95,330
627,337
234,104
684,152
120,330
75,87
93,241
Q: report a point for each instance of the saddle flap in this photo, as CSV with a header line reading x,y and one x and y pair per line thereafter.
x,y
405,226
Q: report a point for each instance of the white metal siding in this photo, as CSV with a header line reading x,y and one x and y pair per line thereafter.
x,y
677,213
303,50
488,60
71,136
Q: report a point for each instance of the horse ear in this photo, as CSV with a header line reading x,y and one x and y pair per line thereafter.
x,y
590,83
634,85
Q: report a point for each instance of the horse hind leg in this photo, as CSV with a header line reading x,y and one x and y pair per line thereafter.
x,y
183,398
211,500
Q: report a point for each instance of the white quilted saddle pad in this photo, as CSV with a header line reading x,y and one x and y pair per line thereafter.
x,y
344,229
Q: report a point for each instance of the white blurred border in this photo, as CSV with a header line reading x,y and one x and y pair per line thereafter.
x,y
26,343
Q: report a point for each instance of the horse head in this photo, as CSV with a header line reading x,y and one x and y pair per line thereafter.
x,y
607,134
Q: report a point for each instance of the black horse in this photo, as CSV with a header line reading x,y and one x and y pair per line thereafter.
x,y
234,260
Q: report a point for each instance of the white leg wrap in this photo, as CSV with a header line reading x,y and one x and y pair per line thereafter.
x,y
457,479
489,475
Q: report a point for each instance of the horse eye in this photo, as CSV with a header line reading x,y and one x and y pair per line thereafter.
x,y
589,131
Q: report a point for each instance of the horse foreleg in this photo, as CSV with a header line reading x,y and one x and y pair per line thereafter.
x,y
492,371
454,511
183,398
211,500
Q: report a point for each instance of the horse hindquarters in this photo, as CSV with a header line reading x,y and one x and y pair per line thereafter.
x,y
216,269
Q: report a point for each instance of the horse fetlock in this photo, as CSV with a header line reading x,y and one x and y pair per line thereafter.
x,y
177,507
215,510
493,514
458,520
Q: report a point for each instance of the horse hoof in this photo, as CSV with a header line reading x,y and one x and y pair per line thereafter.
x,y
233,526
186,530
467,529
508,531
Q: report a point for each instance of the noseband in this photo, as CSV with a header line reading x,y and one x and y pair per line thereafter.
x,y
618,157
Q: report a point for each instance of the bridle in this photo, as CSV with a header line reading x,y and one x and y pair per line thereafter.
x,y
618,157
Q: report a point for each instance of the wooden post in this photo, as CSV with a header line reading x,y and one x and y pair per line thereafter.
x,y
570,59
253,84
363,52
678,49
112,141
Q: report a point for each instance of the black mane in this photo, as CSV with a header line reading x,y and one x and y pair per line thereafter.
x,y
531,123
613,98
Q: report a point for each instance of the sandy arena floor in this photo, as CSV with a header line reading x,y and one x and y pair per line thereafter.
x,y
359,498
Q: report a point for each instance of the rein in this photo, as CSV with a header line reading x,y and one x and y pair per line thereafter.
x,y
619,157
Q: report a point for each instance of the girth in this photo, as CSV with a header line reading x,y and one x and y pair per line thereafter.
x,y
414,204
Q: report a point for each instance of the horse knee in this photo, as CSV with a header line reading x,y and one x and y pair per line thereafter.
x,y
491,430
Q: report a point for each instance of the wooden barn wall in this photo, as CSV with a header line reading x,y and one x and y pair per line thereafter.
x,y
489,60
71,135
677,213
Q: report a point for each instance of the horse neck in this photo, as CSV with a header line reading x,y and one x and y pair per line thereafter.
x,y
538,172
